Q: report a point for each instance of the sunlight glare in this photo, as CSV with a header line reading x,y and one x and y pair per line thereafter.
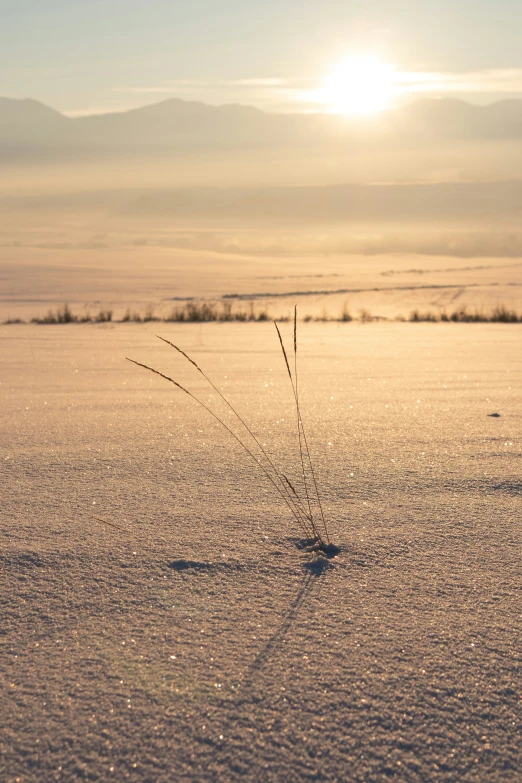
x,y
359,85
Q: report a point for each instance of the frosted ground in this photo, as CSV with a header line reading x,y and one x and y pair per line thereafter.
x,y
198,645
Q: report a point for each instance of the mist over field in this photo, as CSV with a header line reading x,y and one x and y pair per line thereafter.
x,y
194,187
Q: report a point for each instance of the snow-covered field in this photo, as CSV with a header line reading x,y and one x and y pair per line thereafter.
x,y
132,277
198,645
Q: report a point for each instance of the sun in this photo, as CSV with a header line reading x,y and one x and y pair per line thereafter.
x,y
359,85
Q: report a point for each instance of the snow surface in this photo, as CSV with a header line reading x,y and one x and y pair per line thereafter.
x,y
198,645
130,277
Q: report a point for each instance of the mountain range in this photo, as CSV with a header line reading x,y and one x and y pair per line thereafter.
x,y
29,128
431,161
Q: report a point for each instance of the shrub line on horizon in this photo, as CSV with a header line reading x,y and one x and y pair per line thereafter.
x,y
208,312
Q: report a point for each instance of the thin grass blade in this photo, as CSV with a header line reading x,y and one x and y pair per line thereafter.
x,y
111,524
181,352
297,500
299,521
284,352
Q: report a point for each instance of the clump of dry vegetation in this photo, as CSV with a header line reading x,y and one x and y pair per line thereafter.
x,y
194,311
302,497
499,314
137,318
344,316
64,315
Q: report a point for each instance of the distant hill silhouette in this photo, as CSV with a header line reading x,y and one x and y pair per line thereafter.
x,y
27,125
29,121
456,119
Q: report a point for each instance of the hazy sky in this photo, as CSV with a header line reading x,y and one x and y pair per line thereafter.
x,y
80,55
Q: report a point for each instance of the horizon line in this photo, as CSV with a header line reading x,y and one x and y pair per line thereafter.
x,y
103,111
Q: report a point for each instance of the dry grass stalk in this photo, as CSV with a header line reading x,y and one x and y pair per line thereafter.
x,y
283,494
294,500
304,517
298,413
303,439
